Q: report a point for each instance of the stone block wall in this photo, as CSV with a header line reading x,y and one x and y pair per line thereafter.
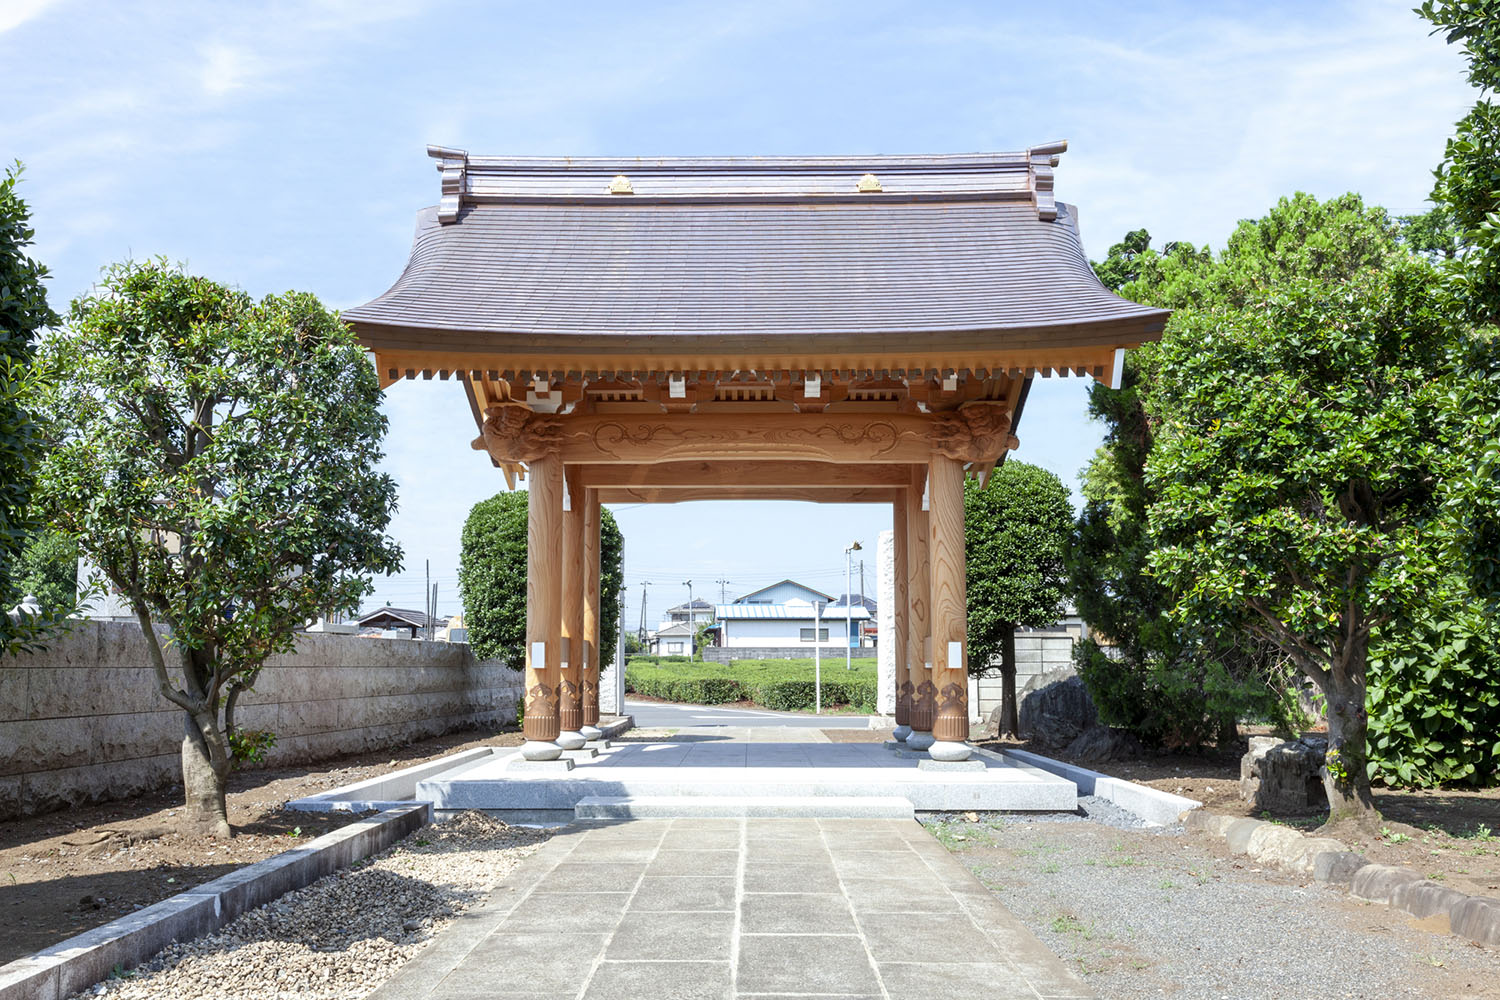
x,y
82,721
1037,653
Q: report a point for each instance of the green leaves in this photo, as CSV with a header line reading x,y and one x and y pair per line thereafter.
x,y
214,457
492,580
1014,531
23,314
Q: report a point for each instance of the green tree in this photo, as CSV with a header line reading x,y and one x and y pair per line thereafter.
x,y
1299,471
48,570
1014,530
492,580
23,314
1168,684
1468,180
215,457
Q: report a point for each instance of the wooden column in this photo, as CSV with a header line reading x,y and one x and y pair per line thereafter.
x,y
569,694
923,699
897,638
543,606
591,613
945,494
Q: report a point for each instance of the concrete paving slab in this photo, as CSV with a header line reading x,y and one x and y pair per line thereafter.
x,y
689,893
846,920
749,765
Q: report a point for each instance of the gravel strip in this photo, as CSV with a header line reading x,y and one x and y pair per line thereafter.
x,y
1091,809
348,932
1156,913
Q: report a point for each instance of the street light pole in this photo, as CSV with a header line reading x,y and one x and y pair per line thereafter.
x,y
817,659
849,606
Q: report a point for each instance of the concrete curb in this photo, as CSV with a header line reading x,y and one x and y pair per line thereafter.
x,y
77,963
398,789
1407,890
1156,807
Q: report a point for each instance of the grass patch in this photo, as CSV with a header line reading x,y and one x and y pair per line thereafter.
x,y
779,685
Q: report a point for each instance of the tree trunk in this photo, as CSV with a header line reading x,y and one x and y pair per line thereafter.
x,y
1344,776
203,784
1010,724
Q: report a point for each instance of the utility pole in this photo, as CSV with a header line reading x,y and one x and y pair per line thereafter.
x,y
849,606
427,564
817,658
692,621
641,635
722,585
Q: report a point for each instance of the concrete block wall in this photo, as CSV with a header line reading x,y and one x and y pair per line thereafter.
x,y
82,721
1037,653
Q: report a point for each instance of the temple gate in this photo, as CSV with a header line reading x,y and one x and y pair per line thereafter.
x,y
839,329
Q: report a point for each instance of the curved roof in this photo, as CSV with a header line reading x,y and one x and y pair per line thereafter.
x,y
876,256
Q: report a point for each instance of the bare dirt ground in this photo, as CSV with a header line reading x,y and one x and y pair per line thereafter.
x,y
65,872
1451,835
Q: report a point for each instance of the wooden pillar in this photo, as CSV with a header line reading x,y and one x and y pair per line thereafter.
x,y
897,638
569,693
591,624
923,700
543,607
945,495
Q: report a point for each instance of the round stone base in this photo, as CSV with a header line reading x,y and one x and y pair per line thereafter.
x,y
919,740
538,750
900,733
944,750
570,741
591,733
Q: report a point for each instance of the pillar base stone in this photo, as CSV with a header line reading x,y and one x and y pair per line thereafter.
x,y
570,740
919,740
900,733
949,751
538,750
591,734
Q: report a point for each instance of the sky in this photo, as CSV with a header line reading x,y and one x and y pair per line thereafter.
x,y
280,146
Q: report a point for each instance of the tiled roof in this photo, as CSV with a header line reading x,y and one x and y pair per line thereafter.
x,y
736,255
796,612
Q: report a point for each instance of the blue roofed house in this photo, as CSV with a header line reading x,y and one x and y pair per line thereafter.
x,y
788,619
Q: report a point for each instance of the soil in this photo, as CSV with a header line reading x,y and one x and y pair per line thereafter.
x,y
1451,835
63,873
857,735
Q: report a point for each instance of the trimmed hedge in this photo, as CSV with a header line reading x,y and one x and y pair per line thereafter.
x,y
779,685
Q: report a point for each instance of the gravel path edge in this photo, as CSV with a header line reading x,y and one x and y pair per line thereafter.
x,y
72,965
1476,918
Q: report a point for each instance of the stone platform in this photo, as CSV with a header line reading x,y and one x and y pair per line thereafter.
x,y
746,770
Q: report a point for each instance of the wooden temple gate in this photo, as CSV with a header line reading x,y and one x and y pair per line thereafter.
x,y
842,330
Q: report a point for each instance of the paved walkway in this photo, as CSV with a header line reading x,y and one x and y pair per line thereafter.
x,y
656,714
716,908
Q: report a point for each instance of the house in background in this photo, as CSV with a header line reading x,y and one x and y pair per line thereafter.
x,y
387,620
787,620
674,636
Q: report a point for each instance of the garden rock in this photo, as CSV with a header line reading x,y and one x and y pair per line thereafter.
x,y
1423,899
1056,710
1101,743
1337,867
1284,777
1377,883
1478,919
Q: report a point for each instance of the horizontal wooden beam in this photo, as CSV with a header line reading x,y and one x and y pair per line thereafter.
x,y
685,494
711,474
896,438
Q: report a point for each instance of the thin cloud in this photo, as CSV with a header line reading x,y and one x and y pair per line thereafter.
x,y
14,13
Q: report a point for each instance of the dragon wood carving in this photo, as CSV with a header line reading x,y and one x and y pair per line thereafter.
x,y
977,433
514,433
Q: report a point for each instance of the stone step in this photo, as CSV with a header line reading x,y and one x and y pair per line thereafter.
x,y
682,807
